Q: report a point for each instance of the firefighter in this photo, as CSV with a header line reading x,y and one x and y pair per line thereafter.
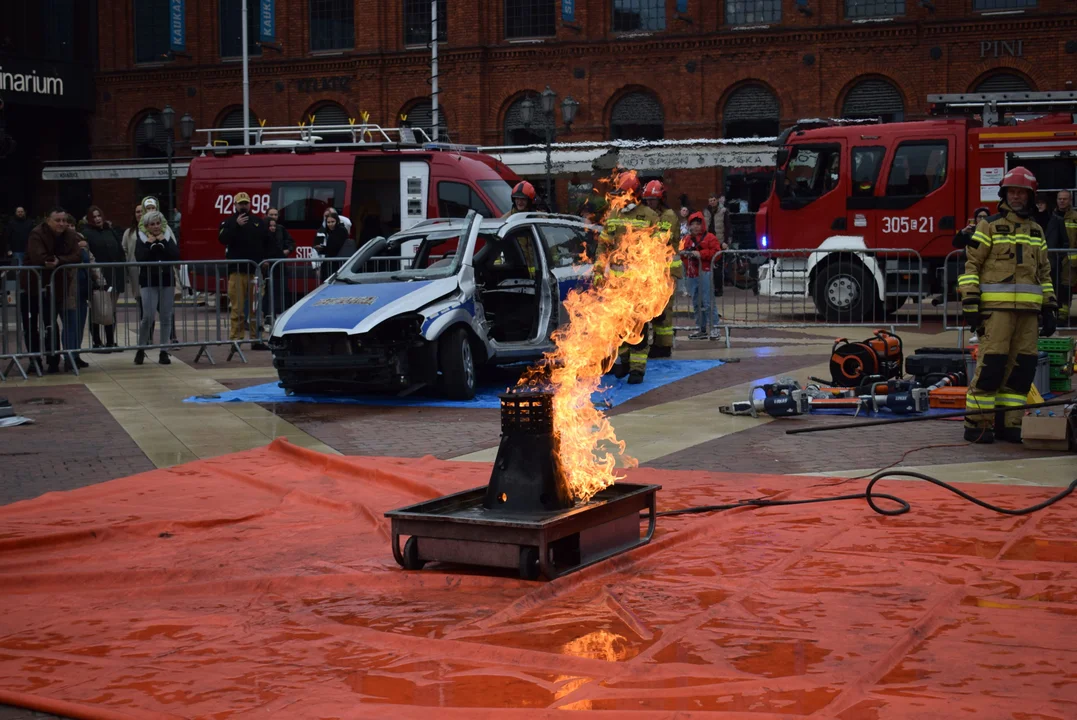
x,y
1062,236
631,359
523,198
1006,285
654,194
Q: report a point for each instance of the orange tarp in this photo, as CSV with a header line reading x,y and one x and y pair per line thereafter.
x,y
262,584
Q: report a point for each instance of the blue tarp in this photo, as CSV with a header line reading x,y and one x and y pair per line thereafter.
x,y
615,392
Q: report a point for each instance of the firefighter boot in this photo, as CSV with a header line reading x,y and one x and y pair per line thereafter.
x,y
980,436
663,333
1022,371
980,400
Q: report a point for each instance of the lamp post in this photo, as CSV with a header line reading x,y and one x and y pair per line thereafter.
x,y
168,122
548,99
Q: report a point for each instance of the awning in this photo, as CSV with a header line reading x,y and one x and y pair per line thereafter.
x,y
154,171
533,162
665,156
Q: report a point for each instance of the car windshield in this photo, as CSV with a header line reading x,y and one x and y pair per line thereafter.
x,y
437,253
500,192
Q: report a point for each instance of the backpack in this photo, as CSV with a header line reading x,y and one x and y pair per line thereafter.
x,y
881,355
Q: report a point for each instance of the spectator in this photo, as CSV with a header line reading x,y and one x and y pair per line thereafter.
x,y
83,280
1062,227
106,246
130,242
715,215
281,247
155,245
246,238
18,233
684,213
51,245
333,242
333,211
698,269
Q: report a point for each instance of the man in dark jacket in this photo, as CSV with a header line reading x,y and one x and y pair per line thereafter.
x,y
246,237
1061,236
282,247
50,245
18,233
106,246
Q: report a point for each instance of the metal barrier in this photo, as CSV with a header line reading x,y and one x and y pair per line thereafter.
x,y
1063,277
817,288
20,320
694,297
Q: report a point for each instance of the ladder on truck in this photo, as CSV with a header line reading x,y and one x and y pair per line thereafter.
x,y
993,108
310,138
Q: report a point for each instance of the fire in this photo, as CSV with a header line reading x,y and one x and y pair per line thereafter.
x,y
633,290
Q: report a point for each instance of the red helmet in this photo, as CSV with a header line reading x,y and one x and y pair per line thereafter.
x,y
524,190
628,182
654,189
1020,177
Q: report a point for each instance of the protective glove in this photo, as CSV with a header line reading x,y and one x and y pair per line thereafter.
x,y
1050,322
970,308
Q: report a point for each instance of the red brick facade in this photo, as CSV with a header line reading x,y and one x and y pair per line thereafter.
x,y
809,62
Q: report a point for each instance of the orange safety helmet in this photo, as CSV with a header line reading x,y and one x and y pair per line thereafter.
x,y
524,190
628,182
1019,177
654,189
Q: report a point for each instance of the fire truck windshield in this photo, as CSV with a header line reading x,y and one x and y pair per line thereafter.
x,y
811,172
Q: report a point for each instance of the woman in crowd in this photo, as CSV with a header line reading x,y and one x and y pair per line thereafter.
x,y
130,242
155,245
333,242
106,246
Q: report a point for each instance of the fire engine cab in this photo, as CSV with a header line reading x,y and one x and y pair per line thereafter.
x,y
844,186
383,179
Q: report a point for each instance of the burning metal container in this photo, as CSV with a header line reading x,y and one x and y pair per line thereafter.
x,y
525,517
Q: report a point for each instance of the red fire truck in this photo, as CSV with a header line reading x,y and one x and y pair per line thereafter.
x,y
382,179
841,187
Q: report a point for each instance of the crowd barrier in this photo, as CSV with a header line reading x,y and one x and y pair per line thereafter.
x,y
1063,277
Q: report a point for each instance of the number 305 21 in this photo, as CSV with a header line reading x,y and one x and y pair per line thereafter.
x,y
908,225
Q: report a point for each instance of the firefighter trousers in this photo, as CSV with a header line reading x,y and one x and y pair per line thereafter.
x,y
1005,369
636,355
663,327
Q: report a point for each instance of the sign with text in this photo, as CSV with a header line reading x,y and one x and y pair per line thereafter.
x,y
1000,48
177,26
49,84
568,11
309,85
267,22
666,158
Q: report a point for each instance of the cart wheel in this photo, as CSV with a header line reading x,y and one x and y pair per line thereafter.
x,y
529,563
411,555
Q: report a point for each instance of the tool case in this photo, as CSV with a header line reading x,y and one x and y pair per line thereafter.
x,y
929,365
949,398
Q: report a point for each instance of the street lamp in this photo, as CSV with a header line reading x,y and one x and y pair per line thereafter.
x,y
168,122
548,99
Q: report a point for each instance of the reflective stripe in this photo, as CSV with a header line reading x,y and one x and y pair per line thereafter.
x,y
1011,287
1073,257
1010,400
968,279
979,402
980,237
1071,224
676,264
637,357
663,330
1017,240
1012,297
1047,287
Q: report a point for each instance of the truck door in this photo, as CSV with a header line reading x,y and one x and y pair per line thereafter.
x,y
811,192
916,208
866,167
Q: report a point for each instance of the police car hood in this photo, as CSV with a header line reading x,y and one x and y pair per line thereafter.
x,y
358,308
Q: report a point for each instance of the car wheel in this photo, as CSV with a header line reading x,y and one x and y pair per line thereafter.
x,y
457,358
844,292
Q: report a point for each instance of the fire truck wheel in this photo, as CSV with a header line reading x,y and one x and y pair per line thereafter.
x,y
529,563
844,291
457,357
411,555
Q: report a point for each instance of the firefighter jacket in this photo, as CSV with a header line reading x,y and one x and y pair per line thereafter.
x,y
668,222
1070,221
636,216
1007,266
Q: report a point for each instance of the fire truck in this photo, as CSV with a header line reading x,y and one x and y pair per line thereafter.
x,y
846,186
383,179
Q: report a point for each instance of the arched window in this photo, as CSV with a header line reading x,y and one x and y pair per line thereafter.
x,y
325,115
1003,82
234,119
874,98
421,115
518,133
149,145
637,116
751,111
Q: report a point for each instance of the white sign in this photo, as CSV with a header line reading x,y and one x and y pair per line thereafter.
x,y
988,193
32,83
693,157
991,175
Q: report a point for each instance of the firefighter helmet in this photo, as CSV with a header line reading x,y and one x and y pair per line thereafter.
x,y
628,182
1020,177
654,189
524,190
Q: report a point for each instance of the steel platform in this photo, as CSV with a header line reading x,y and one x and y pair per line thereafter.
x,y
458,529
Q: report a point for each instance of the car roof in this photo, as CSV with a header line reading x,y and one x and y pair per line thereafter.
x,y
497,225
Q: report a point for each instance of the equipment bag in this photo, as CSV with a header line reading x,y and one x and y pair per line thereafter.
x,y
929,365
881,354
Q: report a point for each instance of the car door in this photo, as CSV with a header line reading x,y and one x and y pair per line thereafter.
x,y
566,247
917,206
811,192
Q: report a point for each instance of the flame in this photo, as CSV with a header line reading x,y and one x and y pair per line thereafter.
x,y
610,312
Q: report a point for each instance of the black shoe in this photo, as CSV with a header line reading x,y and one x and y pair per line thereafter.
x,y
54,368
259,346
140,357
980,436
658,351
164,359
99,348
635,377
80,363
620,370
1010,434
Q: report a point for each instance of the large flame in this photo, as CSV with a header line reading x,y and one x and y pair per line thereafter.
x,y
633,289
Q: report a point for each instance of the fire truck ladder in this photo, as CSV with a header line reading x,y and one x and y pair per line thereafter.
x,y
994,107
306,138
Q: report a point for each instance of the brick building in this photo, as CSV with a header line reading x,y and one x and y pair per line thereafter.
x,y
638,68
